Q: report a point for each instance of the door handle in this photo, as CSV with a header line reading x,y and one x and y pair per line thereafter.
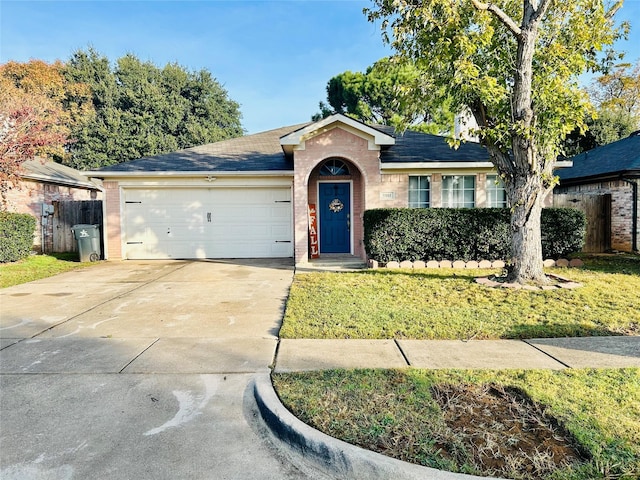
x,y
209,217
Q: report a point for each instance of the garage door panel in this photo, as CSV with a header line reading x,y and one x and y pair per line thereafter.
x,y
208,223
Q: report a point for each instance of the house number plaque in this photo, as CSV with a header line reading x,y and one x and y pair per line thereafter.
x,y
336,205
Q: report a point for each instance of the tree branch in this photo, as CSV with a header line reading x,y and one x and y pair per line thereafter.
x,y
542,9
615,7
500,14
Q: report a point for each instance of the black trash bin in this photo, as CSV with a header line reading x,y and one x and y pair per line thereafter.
x,y
88,238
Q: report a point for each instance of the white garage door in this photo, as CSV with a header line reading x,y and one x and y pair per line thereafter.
x,y
208,223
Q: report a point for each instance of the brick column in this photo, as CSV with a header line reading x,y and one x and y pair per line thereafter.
x,y
112,221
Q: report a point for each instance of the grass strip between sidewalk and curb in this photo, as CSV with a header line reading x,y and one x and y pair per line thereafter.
x,y
592,418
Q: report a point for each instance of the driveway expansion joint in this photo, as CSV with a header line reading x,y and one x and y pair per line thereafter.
x,y
138,355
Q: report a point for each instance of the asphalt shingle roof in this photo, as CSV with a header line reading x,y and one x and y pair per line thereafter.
x,y
263,152
258,152
50,172
617,158
421,147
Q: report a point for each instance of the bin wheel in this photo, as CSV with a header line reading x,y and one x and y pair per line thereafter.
x,y
94,257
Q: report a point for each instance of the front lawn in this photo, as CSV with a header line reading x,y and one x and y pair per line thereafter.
x,y
448,304
536,424
36,267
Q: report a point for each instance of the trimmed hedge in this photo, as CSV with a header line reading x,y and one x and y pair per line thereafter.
x,y
16,236
398,234
563,231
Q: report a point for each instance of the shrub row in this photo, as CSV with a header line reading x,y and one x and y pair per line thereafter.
x,y
399,234
16,236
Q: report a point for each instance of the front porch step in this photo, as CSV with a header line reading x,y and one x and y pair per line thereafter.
x,y
332,263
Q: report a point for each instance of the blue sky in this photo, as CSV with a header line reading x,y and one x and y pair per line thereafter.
x,y
273,57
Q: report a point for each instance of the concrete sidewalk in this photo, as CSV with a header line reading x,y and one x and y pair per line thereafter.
x,y
549,353
338,459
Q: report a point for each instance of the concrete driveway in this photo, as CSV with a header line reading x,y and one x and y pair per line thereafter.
x,y
140,370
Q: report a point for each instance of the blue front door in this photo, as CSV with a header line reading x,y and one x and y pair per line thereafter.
x,y
334,210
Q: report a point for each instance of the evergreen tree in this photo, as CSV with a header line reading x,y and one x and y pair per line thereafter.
x,y
143,110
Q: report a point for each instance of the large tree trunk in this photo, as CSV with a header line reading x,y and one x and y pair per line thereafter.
x,y
526,172
527,197
525,183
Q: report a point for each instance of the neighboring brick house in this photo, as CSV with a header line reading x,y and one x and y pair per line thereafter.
x,y
611,173
43,185
252,196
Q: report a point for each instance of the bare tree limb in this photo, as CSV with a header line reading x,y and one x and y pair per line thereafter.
x,y
500,14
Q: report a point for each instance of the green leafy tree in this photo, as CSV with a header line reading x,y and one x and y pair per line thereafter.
x,y
606,127
386,94
616,95
619,90
143,110
515,65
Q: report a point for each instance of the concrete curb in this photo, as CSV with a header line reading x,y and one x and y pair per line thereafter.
x,y
331,456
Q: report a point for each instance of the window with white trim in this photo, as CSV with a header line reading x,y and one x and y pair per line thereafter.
x,y
458,191
496,194
419,191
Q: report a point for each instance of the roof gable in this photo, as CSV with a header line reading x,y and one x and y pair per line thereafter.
x,y
375,137
611,160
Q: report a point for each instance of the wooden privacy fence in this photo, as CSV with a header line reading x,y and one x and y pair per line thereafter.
x,y
68,214
597,209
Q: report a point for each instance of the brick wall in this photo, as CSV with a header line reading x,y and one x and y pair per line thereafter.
x,y
621,208
371,188
365,175
112,221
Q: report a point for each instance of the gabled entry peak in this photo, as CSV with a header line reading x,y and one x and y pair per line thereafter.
x,y
375,138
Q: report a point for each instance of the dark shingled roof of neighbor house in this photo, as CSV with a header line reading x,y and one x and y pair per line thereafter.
x,y
612,160
47,171
262,152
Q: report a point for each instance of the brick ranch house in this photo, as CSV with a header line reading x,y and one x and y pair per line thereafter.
x,y
604,182
297,191
43,185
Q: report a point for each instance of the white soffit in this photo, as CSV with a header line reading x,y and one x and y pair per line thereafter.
x,y
563,164
433,165
444,165
196,174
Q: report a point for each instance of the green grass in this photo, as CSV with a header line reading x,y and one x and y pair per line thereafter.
x,y
393,412
36,267
447,304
